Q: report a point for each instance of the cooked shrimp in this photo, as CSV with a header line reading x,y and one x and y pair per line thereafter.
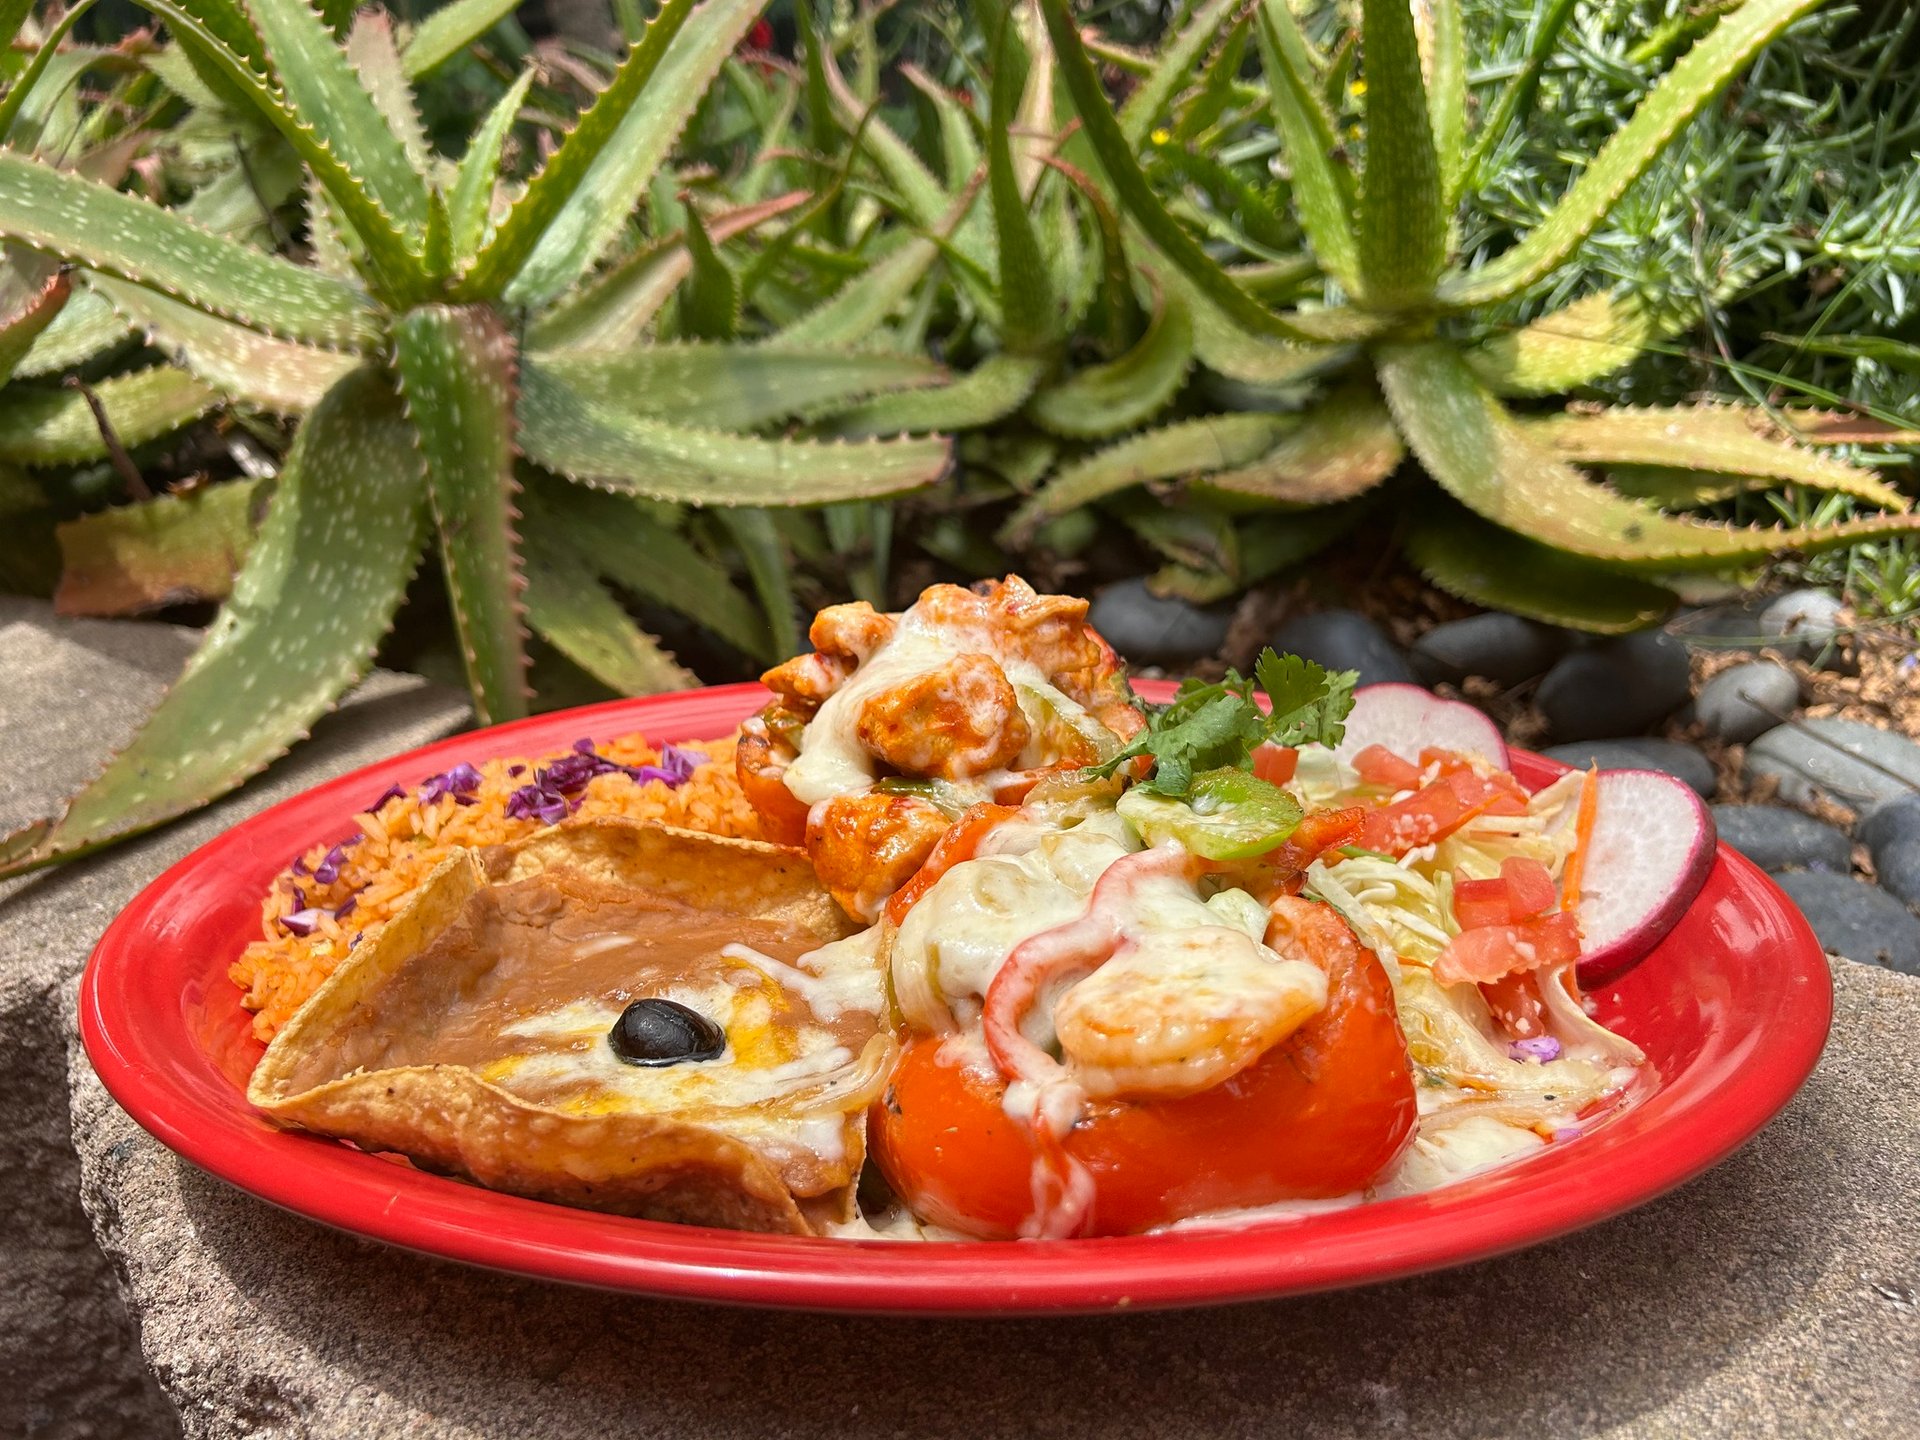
x,y
853,631
807,680
865,846
1176,1012
960,719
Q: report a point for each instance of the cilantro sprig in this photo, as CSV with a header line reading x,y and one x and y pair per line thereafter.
x,y
1211,726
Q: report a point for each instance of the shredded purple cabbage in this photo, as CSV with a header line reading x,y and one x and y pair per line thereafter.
x,y
299,898
303,921
462,779
346,907
1540,1047
328,870
514,770
532,802
394,792
558,788
299,866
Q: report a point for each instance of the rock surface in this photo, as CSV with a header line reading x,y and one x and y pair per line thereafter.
x,y
1345,640
1619,688
1150,629
1776,838
1502,648
69,1363
1803,623
1891,833
1854,919
1828,758
1773,1296
1744,701
1670,757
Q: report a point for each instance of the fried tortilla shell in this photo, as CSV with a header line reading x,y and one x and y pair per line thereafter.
x,y
424,1042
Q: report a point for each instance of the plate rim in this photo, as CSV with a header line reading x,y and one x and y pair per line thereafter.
x,y
450,1219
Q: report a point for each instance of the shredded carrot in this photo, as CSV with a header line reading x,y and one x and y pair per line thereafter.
x,y
1582,841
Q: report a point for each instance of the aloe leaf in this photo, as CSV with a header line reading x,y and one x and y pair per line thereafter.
x,y
1673,489
1228,350
760,545
1680,95
1345,445
991,391
456,367
959,151
1124,393
117,234
1830,427
322,90
923,198
1187,448
86,329
1496,568
709,304
605,165
57,427
1136,194
1266,546
1576,345
1444,55
1401,227
1724,438
612,311
861,306
1030,321
567,432
449,30
28,304
1477,453
575,613
375,58
1516,100
1172,69
1197,537
470,204
622,545
1322,184
170,550
317,591
280,376
36,68
734,386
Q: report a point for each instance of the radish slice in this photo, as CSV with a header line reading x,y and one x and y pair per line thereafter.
x,y
1407,720
1653,844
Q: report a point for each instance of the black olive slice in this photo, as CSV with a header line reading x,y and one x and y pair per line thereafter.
x,y
665,1032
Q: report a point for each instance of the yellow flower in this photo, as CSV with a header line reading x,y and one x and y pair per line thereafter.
x,y
1162,135
1357,89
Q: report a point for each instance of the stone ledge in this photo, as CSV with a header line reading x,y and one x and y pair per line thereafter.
x,y
1774,1296
69,1363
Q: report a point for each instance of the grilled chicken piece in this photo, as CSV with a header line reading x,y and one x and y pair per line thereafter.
x,y
866,846
958,720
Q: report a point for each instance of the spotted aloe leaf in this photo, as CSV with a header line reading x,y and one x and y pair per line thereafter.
x,y
1136,194
959,150
735,386
708,305
621,544
1322,185
1228,350
1344,447
1029,317
30,298
991,391
1575,345
321,88
1730,439
169,550
374,54
756,535
575,435
87,328
1487,565
470,202
316,593
281,376
1195,536
1266,546
58,427
1172,69
1127,392
1681,94
457,375
1187,448
1443,61
612,311
1401,223
573,611
28,79
1481,456
119,235
450,29
565,224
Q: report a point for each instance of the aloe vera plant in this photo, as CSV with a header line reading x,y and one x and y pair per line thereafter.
x,y
474,365
1280,390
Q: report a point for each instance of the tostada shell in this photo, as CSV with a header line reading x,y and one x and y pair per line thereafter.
x,y
330,1068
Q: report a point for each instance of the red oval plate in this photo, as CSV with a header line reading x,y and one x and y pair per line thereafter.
x,y
1732,1008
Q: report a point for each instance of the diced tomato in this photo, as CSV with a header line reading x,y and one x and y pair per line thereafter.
x,y
1449,761
1480,903
1434,813
1516,1003
963,837
1380,766
1496,951
1529,885
1276,764
1318,832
